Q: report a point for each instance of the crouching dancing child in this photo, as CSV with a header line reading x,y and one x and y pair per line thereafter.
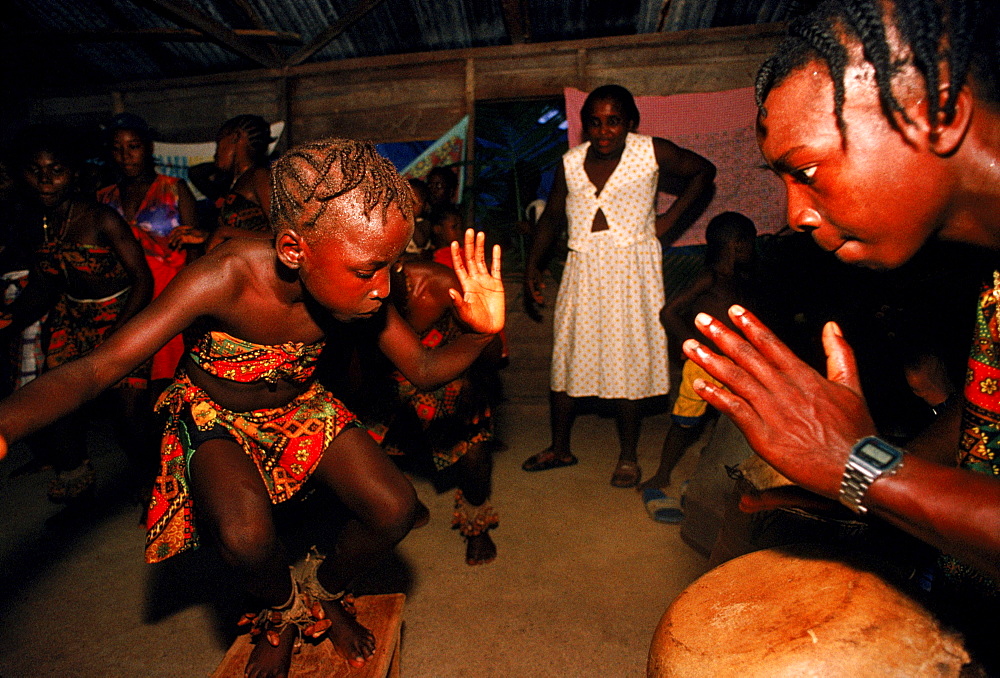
x,y
248,424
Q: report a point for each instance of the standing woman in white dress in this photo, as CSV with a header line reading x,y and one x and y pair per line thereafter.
x,y
609,341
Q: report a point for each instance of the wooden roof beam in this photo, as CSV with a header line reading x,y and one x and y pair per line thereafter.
x,y
162,34
352,16
256,21
515,17
184,12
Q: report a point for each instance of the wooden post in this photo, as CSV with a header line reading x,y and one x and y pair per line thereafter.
x,y
470,140
117,102
286,109
581,69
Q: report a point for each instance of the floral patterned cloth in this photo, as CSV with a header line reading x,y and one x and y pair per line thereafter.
x,y
980,434
158,215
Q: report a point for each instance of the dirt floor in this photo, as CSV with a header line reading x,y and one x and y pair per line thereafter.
x,y
582,577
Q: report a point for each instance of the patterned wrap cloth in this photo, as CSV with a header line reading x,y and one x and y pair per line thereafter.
x,y
285,443
238,211
979,441
75,327
451,418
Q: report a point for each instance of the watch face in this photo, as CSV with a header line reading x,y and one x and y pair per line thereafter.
x,y
876,455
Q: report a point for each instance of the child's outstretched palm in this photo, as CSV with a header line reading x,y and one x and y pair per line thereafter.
x,y
480,305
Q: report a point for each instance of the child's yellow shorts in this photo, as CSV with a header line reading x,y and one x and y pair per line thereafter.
x,y
689,408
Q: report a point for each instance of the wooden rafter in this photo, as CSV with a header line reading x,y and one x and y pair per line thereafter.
x,y
186,13
258,23
361,8
164,58
515,17
162,34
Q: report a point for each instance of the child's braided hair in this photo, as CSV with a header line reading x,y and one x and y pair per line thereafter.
x,y
964,33
308,178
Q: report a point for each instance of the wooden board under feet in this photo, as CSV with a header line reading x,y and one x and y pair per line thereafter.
x,y
383,615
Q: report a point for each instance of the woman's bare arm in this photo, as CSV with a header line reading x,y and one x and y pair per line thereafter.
x,y
553,218
129,252
696,172
197,290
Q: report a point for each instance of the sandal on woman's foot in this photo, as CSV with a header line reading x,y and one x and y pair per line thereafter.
x,y
545,460
660,507
627,474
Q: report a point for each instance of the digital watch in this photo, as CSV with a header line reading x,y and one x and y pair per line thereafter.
x,y
871,458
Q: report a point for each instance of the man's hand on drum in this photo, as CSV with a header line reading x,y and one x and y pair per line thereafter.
x,y
798,421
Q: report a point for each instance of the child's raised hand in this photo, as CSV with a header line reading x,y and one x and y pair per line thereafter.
x,y
482,301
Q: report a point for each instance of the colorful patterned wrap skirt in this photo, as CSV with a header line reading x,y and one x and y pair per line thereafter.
x,y
447,420
285,444
77,326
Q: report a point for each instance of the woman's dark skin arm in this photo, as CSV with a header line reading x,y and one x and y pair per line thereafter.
x,y
259,181
696,172
64,389
119,236
188,233
552,220
805,425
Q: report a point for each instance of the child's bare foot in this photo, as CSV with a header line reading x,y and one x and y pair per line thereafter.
x,y
270,661
352,640
480,549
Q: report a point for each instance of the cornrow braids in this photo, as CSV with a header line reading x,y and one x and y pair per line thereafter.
x,y
964,33
307,179
258,134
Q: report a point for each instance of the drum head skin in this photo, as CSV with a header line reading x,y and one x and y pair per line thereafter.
x,y
797,612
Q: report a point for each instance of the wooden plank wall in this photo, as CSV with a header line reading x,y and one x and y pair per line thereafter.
x,y
420,96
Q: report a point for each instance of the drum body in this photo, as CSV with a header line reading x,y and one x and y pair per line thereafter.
x,y
797,612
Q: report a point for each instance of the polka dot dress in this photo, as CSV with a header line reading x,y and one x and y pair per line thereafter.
x,y
608,338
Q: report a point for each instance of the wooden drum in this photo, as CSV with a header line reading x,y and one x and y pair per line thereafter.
x,y
799,611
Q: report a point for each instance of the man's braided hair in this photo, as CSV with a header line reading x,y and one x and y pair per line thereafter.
x,y
309,178
965,34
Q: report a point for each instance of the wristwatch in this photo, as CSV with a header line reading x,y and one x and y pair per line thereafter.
x,y
871,458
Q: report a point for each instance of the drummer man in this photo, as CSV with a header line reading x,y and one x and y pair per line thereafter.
x,y
882,118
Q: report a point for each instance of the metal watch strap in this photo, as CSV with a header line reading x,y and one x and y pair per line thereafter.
x,y
854,486
859,476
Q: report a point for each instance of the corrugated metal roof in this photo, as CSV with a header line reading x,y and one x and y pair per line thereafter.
x,y
50,43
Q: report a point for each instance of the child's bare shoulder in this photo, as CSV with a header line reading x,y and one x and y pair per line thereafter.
x,y
235,265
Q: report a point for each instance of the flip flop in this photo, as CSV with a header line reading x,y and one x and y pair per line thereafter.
x,y
627,474
546,460
660,507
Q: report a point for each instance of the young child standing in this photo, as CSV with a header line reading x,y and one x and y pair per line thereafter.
x,y
248,423
452,424
727,279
